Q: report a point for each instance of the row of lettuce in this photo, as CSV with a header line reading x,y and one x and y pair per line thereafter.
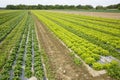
x,y
10,40
104,40
6,16
24,60
107,34
8,22
86,41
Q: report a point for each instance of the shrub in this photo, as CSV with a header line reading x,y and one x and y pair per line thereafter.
x,y
28,73
5,77
16,78
85,55
8,66
39,73
17,72
105,53
77,61
97,66
114,70
95,56
90,60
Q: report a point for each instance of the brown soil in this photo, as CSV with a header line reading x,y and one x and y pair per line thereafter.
x,y
60,61
96,14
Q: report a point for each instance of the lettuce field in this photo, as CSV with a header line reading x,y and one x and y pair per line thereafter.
x,y
44,44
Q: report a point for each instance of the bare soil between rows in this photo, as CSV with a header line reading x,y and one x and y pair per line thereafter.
x,y
95,14
61,62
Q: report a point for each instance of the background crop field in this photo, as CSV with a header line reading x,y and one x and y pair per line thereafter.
x,y
59,44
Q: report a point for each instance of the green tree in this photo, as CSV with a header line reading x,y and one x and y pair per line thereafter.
x,y
100,7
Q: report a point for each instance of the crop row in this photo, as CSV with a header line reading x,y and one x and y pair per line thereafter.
x,y
89,52
8,16
25,59
11,40
92,25
7,71
102,24
8,26
107,20
85,33
106,38
82,47
98,21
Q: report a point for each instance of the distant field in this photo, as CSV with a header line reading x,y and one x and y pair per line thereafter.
x,y
94,10
105,14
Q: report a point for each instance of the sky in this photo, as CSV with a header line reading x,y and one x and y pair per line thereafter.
x,y
94,3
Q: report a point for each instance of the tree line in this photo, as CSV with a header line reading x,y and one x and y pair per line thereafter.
x,y
39,6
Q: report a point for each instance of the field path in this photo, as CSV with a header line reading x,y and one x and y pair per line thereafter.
x,y
60,60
